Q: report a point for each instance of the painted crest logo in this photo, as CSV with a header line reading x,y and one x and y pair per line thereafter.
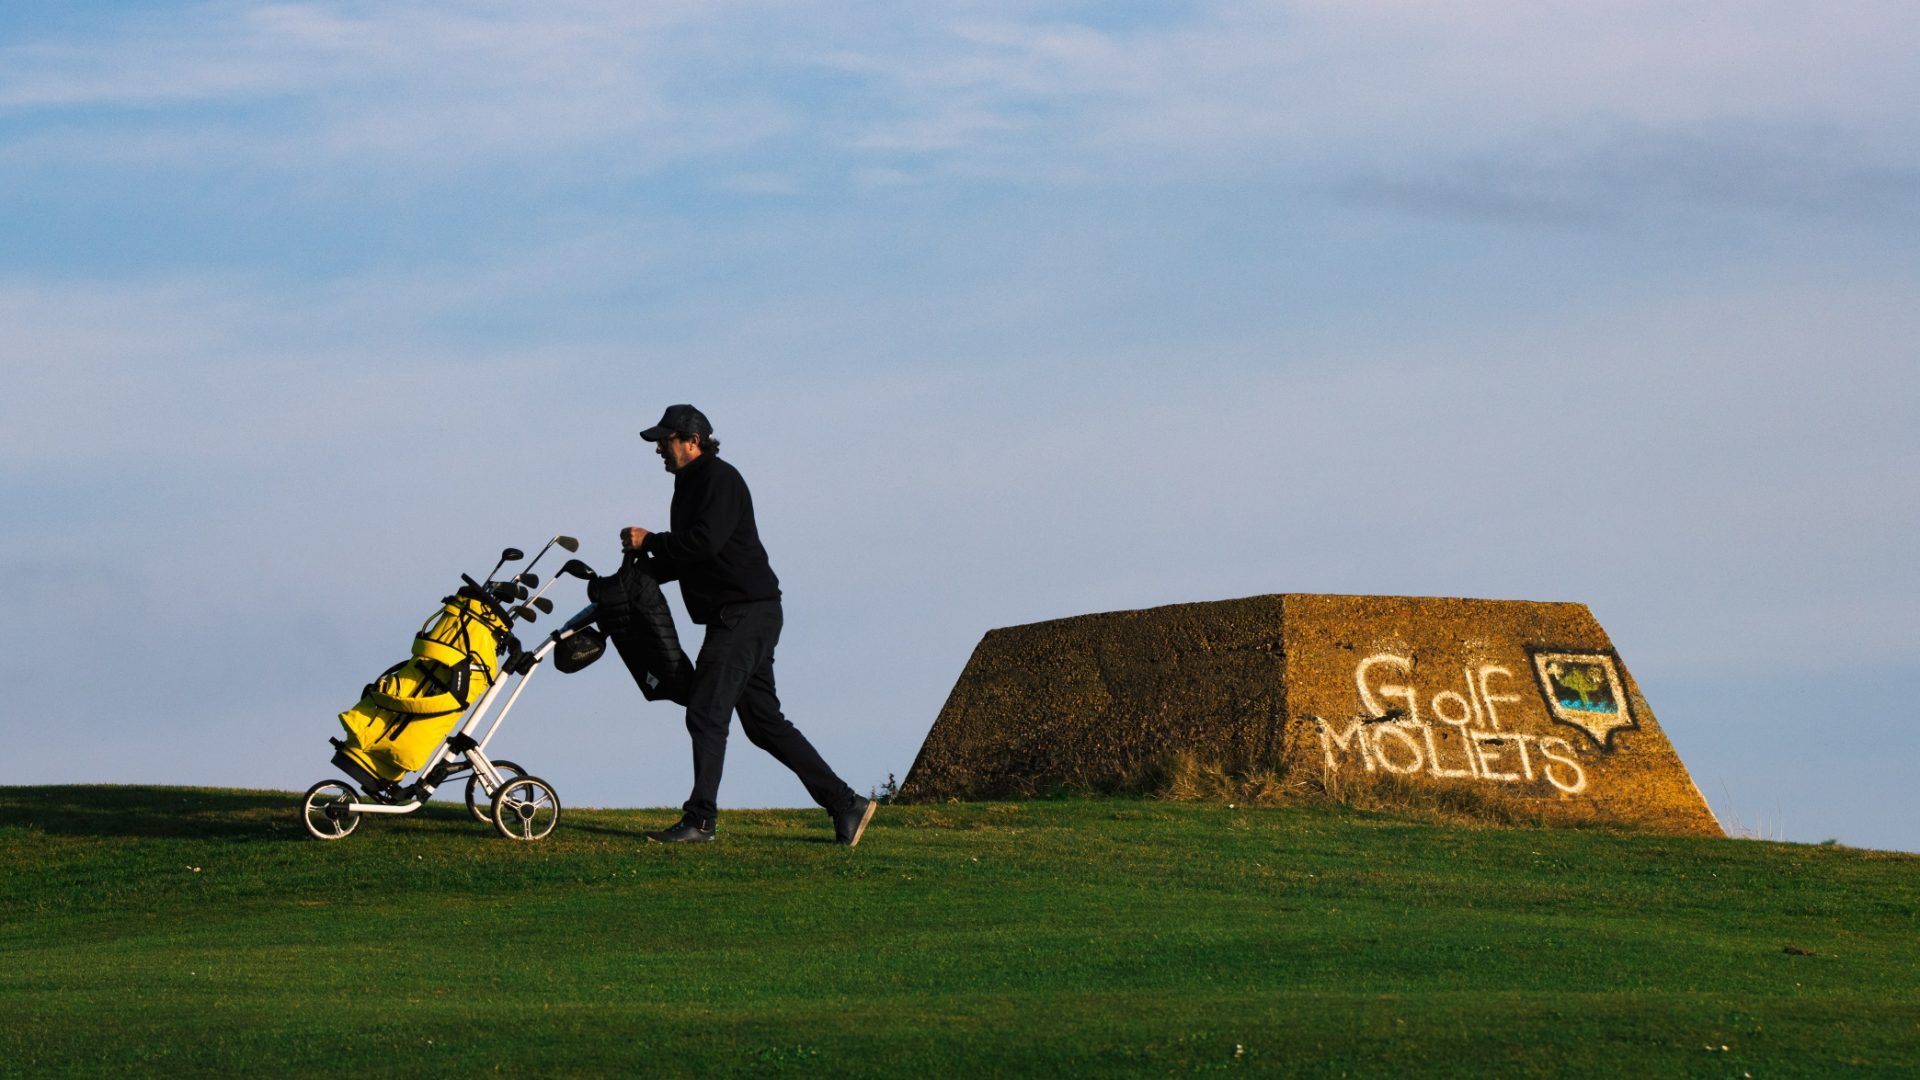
x,y
1584,690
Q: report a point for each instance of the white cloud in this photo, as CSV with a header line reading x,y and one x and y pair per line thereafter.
x,y
762,183
432,87
238,51
1337,89
1582,177
1402,93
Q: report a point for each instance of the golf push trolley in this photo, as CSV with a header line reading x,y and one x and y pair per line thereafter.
x,y
424,715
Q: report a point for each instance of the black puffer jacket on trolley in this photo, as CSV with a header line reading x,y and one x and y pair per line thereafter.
x,y
633,613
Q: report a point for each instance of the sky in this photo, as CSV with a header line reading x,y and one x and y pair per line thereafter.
x,y
1007,311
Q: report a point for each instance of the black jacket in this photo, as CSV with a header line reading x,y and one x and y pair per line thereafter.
x,y
713,549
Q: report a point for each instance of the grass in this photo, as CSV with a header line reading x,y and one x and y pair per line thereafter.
x,y
1188,778
172,931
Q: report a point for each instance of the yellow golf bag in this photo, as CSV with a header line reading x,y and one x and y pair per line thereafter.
x,y
404,715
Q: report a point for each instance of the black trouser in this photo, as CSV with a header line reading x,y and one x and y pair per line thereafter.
x,y
735,672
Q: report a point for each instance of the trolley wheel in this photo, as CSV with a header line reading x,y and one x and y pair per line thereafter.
x,y
479,799
525,808
325,810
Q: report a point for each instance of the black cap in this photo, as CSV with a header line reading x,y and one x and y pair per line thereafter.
x,y
678,420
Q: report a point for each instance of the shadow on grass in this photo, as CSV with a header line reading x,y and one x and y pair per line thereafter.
x,y
150,812
638,832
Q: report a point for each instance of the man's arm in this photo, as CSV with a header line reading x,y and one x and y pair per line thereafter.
x,y
710,520
631,539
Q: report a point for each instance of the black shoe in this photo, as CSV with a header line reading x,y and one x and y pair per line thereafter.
x,y
850,823
691,830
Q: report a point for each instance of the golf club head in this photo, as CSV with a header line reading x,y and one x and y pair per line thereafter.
x,y
545,605
567,542
506,556
531,581
525,614
576,568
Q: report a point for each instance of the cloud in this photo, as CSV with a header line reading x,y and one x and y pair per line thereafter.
x,y
425,86
1588,177
1462,107
1249,84
236,52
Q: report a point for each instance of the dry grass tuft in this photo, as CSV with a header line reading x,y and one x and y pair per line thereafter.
x,y
1452,801
1189,778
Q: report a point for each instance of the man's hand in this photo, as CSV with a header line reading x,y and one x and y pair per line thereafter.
x,y
632,537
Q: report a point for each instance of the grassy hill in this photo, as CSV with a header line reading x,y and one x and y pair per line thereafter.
x,y
170,931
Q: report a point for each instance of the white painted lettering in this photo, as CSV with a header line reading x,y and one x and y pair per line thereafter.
x,y
1404,693
1526,763
1409,745
1578,781
1473,699
1466,710
1493,713
1355,735
1380,732
1433,758
1489,747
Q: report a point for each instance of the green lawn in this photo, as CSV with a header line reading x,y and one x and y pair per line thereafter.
x,y
172,931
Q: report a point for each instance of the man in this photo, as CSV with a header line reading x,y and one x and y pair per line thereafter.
x,y
713,550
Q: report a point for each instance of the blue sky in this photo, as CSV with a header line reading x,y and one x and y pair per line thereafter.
x,y
1008,311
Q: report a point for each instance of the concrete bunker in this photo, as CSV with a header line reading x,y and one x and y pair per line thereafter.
x,y
1529,697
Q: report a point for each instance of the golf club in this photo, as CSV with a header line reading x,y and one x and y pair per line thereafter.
x,y
567,542
511,554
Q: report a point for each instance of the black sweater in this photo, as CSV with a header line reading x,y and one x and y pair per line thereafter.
x,y
714,547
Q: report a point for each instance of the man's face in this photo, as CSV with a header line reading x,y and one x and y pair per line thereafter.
x,y
675,451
